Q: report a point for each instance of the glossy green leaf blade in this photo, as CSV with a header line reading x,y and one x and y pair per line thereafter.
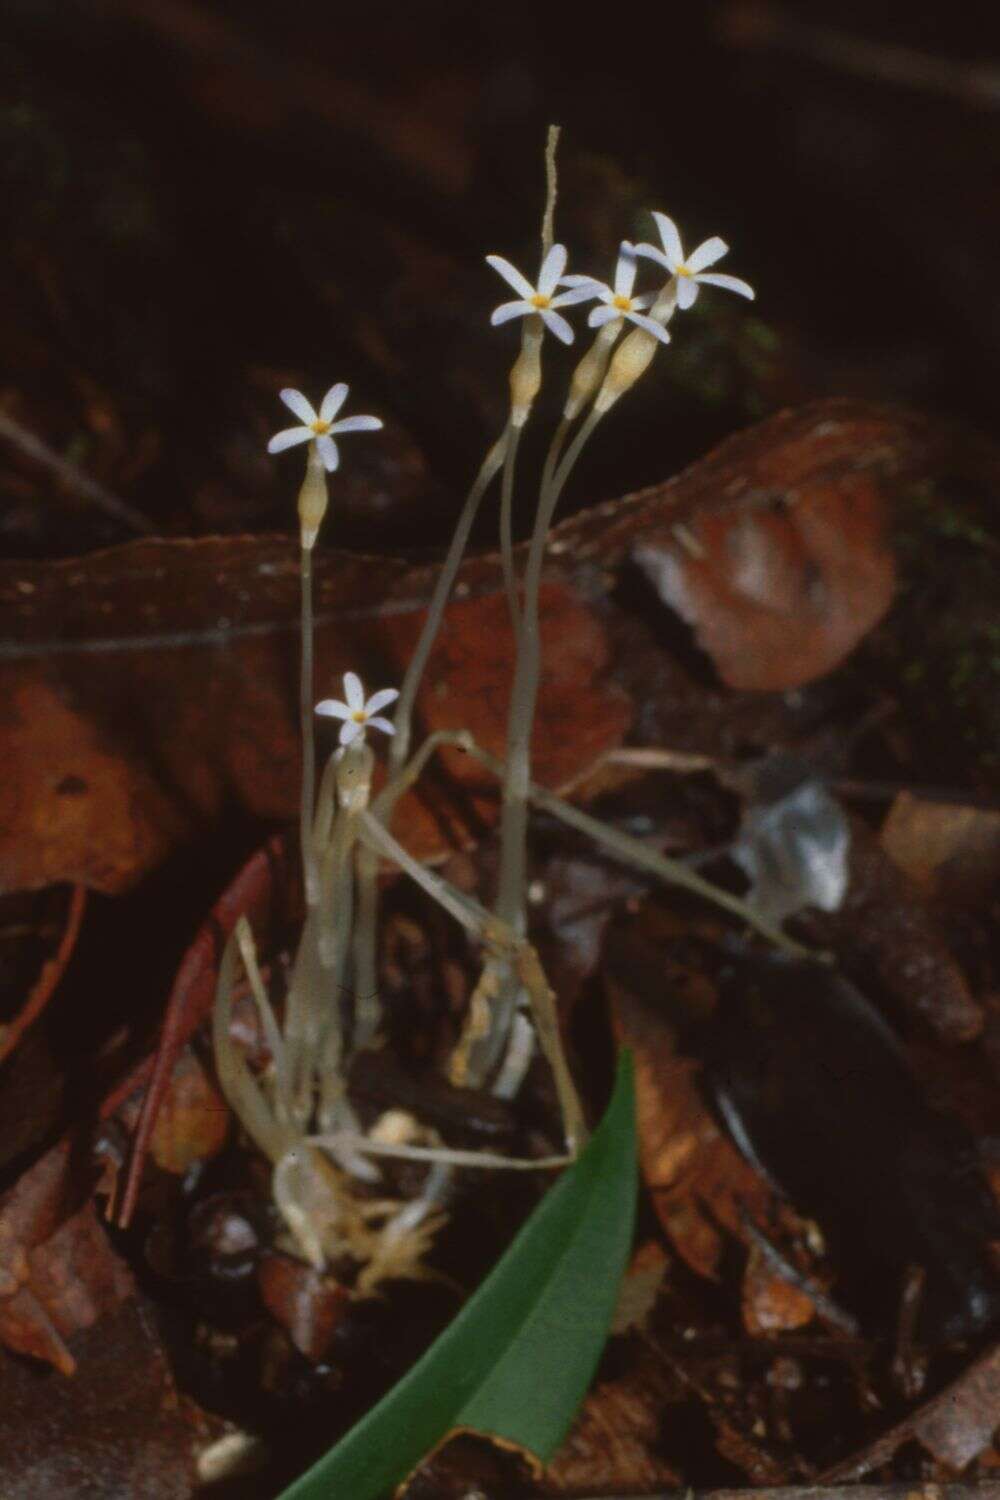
x,y
517,1360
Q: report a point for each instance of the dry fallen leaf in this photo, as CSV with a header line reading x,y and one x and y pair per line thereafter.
x,y
146,687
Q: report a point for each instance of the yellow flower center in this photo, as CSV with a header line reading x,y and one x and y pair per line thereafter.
x,y
623,304
540,300
682,270
320,428
359,716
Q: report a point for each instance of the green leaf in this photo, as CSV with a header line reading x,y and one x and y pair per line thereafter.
x,y
517,1360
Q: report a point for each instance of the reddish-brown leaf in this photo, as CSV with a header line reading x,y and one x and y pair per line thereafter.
x,y
145,687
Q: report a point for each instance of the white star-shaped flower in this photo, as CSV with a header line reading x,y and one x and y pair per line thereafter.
x,y
319,427
357,714
541,299
691,272
618,299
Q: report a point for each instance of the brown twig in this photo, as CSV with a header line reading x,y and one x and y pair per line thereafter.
x,y
74,479
47,982
955,1425
751,23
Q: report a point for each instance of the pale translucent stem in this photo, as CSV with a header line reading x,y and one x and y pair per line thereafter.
x,y
307,989
405,778
243,1093
507,527
632,852
368,898
268,1020
506,945
367,1011
465,909
354,768
513,826
335,1142
403,715
302,1018
310,878
511,891
553,455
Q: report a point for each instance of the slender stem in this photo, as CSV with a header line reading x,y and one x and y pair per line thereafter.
x,y
310,877
399,779
507,527
513,826
633,852
403,716
554,453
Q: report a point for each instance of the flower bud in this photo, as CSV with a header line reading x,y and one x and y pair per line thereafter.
x,y
312,499
590,371
630,361
526,374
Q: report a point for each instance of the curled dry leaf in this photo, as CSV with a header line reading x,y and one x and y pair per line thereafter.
x,y
950,852
58,1272
109,769
772,1305
193,1120
698,1181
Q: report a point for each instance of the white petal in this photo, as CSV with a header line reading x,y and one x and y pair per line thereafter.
x,y
707,254
289,438
553,266
652,253
578,294
382,724
332,708
651,326
381,699
601,315
511,274
731,283
671,239
508,310
625,270
579,281
350,731
557,324
333,401
296,402
639,304
328,453
354,692
357,424
687,291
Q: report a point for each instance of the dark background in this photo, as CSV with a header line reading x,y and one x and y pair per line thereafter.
x,y
206,202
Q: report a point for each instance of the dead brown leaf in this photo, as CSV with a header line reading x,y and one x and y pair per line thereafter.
x,y
145,687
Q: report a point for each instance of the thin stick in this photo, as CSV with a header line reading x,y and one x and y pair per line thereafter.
x,y
74,478
551,188
47,982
